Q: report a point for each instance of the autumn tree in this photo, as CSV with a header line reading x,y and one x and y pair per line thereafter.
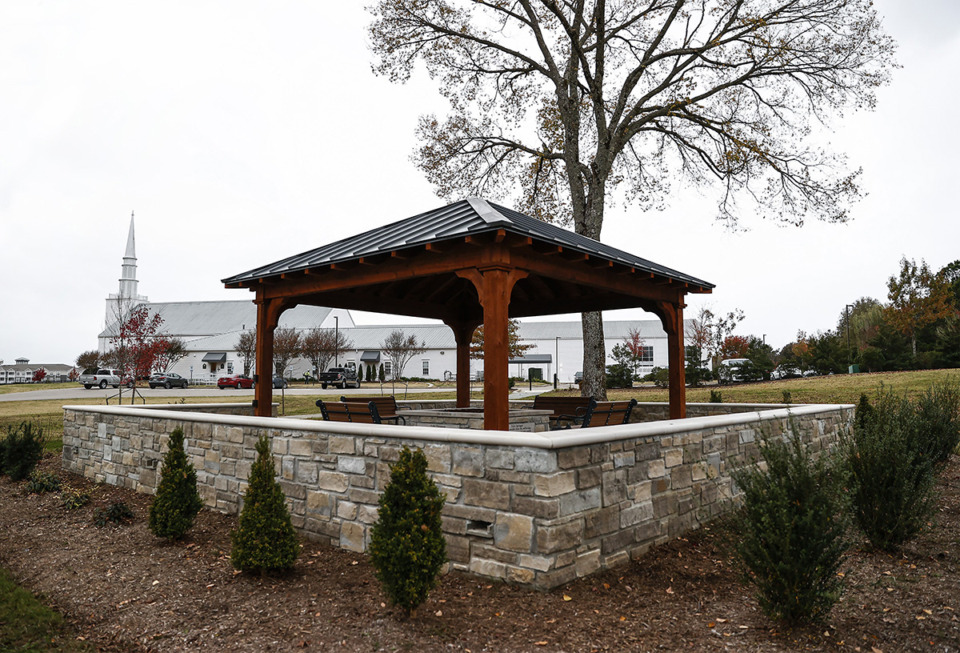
x,y
918,298
400,348
515,348
287,345
39,375
247,349
320,346
561,104
88,359
171,352
137,342
721,327
735,347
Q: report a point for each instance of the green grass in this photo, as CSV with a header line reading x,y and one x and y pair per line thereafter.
x,y
28,626
11,388
837,389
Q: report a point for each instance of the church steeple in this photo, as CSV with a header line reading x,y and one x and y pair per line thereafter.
x,y
119,304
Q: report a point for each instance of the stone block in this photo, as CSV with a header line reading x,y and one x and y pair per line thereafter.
x,y
636,514
573,457
307,472
499,458
488,552
438,457
538,563
588,477
656,469
513,532
535,460
467,461
486,494
351,465
470,513
580,501
552,485
342,444
672,457
346,510
551,539
588,563
614,487
624,459
519,575
601,522
640,491
451,525
351,536
619,541
458,549
301,447
747,435
541,508
488,568
333,481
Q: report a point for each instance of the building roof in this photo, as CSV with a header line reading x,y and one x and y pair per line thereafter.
x,y
197,319
469,217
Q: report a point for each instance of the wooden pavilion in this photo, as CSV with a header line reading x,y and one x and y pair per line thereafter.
x,y
471,263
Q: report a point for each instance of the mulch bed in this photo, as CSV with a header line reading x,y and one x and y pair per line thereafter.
x,y
122,589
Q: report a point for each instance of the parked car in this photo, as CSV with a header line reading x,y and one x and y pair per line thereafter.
x,y
101,378
339,377
167,380
578,378
785,372
236,381
729,371
279,382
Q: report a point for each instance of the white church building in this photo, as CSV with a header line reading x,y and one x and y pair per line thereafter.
x,y
210,330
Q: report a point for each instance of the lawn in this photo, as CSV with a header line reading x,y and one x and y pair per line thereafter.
x,y
27,625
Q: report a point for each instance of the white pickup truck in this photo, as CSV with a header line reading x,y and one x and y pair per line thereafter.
x,y
101,378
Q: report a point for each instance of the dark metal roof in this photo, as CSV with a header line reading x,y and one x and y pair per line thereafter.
x,y
464,218
532,358
215,357
370,357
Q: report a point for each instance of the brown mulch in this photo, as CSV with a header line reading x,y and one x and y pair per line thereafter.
x,y
122,589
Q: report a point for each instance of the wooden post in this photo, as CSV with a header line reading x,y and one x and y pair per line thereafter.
x,y
268,316
463,333
494,286
672,319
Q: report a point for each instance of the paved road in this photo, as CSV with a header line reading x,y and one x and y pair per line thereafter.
x,y
65,394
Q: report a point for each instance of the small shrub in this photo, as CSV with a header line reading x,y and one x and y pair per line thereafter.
x,y
864,412
892,475
787,397
660,376
407,546
22,450
716,397
40,482
938,410
177,501
73,499
791,529
115,513
264,540
619,376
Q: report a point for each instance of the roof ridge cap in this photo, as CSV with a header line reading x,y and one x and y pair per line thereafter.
x,y
486,212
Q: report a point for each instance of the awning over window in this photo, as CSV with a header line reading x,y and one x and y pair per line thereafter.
x,y
370,357
215,357
532,358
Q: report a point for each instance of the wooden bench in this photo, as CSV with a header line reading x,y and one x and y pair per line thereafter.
x,y
566,410
386,407
608,413
343,411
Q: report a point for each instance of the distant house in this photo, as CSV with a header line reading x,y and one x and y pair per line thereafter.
x,y
23,371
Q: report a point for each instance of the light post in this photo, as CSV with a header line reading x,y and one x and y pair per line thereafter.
x,y
336,341
556,365
846,312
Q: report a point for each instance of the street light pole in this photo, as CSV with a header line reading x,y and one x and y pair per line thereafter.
x,y
336,341
846,311
556,365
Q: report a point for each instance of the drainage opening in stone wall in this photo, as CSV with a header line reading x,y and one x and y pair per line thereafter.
x,y
480,528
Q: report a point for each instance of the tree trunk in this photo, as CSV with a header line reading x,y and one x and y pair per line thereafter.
x,y
594,382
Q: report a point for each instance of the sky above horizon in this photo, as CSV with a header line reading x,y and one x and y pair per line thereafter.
x,y
244,132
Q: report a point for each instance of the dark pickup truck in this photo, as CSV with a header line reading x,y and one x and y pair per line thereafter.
x,y
340,377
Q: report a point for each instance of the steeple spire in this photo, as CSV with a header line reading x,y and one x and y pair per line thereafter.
x,y
131,245
119,304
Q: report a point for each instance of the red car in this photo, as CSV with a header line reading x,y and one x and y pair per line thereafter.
x,y
235,381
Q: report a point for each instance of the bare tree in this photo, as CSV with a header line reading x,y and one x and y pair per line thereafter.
x,y
286,347
247,349
171,352
515,347
400,348
321,345
563,102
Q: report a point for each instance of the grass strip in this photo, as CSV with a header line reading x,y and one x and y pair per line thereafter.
x,y
28,626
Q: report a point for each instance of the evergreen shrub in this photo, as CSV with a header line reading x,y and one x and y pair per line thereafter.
x,y
22,450
407,546
716,397
791,529
938,410
891,472
264,540
115,513
177,501
40,482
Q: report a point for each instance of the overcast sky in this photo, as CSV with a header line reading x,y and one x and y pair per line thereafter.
x,y
242,132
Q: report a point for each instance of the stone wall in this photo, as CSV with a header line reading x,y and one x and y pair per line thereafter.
x,y
538,509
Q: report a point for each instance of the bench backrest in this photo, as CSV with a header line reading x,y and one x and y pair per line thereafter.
x,y
386,405
562,405
343,411
608,413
